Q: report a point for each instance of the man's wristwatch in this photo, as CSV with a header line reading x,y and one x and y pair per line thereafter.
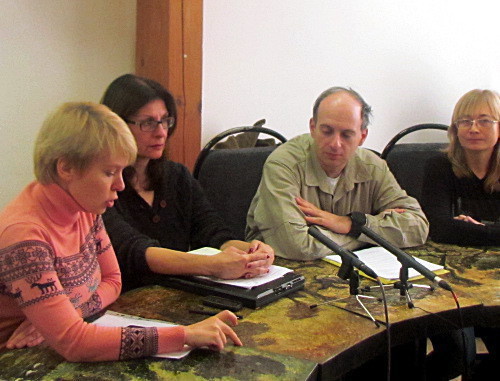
x,y
358,220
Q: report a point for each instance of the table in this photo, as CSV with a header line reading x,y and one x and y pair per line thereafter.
x,y
287,340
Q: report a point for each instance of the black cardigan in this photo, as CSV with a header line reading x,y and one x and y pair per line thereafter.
x,y
181,218
446,196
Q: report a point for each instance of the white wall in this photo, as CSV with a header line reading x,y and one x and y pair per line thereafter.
x,y
52,51
270,59
411,60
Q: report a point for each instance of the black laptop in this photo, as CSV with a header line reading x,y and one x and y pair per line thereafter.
x,y
254,297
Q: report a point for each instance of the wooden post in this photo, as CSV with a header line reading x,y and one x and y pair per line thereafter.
x,y
169,50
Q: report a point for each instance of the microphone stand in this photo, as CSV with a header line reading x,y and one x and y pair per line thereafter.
x,y
346,271
403,285
406,261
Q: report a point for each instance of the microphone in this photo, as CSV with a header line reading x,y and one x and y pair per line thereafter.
x,y
346,255
405,258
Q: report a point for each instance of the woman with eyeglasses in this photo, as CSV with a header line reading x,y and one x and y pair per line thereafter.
x,y
461,191
461,199
162,213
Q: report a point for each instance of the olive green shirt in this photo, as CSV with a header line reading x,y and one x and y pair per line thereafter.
x,y
366,185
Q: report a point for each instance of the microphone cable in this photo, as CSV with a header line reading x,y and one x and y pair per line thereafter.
x,y
387,329
461,326
386,315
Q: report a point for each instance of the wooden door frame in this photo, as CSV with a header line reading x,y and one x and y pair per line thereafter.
x,y
169,50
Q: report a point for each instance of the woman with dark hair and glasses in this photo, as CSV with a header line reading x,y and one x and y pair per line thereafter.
x,y
162,212
461,198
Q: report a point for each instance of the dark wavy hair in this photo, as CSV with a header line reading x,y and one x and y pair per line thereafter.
x,y
125,96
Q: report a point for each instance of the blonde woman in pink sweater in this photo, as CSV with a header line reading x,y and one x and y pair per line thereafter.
x,y
57,265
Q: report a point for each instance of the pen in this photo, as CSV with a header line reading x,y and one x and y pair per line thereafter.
x,y
209,313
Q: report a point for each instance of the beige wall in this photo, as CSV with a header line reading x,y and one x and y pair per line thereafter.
x,y
52,51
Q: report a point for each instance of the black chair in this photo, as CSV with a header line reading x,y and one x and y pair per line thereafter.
x,y
407,160
230,176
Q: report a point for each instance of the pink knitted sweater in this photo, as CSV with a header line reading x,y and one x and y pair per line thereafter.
x,y
57,266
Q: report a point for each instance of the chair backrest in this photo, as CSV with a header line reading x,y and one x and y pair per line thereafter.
x,y
256,128
407,161
230,176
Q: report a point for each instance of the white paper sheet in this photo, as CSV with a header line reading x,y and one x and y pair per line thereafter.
x,y
116,319
385,264
275,272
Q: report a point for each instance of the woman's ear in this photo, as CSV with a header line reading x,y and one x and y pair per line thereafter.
x,y
65,171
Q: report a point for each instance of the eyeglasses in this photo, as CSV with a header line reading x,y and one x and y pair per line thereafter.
x,y
151,124
483,123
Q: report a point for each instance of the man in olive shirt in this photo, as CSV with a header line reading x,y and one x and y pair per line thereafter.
x,y
323,178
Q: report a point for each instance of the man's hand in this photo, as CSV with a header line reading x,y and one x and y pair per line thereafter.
x,y
465,218
213,332
316,216
24,336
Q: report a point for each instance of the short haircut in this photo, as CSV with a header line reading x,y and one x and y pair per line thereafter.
x,y
366,110
466,107
80,132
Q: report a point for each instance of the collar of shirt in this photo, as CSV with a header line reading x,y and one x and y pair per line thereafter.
x,y
59,206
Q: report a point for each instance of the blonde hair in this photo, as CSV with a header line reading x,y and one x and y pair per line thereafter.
x,y
466,107
80,132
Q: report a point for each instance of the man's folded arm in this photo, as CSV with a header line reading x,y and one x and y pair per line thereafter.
x,y
403,229
280,221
